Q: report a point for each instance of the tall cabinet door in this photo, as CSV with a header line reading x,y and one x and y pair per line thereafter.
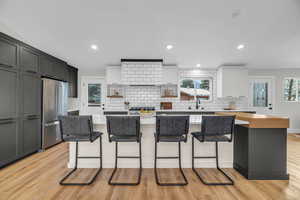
x,y
8,55
31,134
29,60
46,66
60,70
8,94
31,90
31,126
8,141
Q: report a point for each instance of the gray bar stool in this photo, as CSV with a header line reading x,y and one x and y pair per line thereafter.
x,y
214,129
80,129
171,129
124,129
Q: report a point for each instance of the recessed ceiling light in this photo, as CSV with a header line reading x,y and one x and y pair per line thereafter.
x,y
198,65
94,47
240,46
169,47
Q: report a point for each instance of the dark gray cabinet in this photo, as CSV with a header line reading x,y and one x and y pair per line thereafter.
x,y
8,93
60,70
8,141
21,68
31,134
30,131
73,82
53,68
31,94
29,60
46,66
9,52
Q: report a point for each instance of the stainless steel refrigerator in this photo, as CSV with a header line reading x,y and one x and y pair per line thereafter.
x,y
55,103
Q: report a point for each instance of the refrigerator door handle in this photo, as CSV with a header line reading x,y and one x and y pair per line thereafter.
x,y
52,124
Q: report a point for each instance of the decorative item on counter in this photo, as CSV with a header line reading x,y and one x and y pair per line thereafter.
x,y
116,93
232,105
147,113
126,104
167,92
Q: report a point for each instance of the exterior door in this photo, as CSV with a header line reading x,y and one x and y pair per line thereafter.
x,y
92,95
261,94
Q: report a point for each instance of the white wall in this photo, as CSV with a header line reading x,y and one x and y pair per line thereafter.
x,y
8,31
292,109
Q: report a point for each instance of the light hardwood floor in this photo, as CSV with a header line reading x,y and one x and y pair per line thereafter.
x,y
36,178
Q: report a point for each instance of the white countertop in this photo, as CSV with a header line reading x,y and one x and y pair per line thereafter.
x,y
193,110
194,119
72,110
206,110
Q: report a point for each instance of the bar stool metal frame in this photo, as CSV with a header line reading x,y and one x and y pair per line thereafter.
x,y
213,129
171,129
80,130
120,129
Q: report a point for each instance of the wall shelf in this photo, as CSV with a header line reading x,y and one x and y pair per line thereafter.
x,y
115,91
115,96
169,91
170,96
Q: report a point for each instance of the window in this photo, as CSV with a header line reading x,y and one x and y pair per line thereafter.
x,y
292,89
191,88
94,95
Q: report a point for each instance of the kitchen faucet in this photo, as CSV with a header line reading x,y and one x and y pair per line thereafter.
x,y
198,102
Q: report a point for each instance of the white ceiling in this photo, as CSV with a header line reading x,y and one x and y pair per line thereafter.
x,y
201,31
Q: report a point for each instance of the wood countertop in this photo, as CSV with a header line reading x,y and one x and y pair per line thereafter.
x,y
259,120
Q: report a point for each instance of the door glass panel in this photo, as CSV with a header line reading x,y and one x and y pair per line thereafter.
x,y
290,89
94,95
260,95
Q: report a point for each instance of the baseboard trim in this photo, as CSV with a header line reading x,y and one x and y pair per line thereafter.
x,y
292,130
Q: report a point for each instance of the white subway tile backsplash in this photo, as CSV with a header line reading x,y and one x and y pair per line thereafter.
x,y
150,95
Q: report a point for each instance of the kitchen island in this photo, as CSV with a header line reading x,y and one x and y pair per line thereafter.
x,y
260,147
165,149
258,151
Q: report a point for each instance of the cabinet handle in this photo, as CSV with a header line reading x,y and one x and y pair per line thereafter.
x,y
31,71
7,66
7,121
32,117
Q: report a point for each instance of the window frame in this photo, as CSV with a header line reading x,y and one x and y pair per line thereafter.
x,y
211,89
297,91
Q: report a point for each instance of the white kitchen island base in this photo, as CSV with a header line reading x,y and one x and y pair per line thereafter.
x,y
164,149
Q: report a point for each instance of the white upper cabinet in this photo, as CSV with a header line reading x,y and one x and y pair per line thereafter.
x,y
170,75
232,82
113,75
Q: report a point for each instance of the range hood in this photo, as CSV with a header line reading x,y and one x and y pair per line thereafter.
x,y
141,72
